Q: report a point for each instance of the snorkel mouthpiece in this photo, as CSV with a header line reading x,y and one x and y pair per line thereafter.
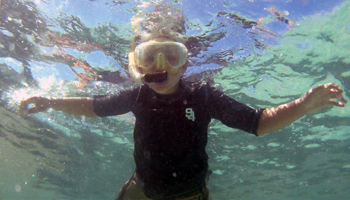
x,y
157,77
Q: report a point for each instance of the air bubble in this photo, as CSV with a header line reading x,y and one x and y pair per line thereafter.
x,y
18,188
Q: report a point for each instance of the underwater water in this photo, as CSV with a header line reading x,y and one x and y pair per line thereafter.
x,y
262,53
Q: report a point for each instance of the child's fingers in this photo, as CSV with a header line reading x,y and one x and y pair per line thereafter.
x,y
38,108
335,93
333,87
326,89
336,103
33,110
36,101
341,98
33,100
23,107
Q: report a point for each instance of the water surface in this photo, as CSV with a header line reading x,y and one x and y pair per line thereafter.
x,y
53,155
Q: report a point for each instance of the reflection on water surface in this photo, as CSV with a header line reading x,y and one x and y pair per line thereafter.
x,y
263,56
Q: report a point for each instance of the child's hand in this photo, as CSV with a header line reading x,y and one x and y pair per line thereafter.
x,y
321,96
40,104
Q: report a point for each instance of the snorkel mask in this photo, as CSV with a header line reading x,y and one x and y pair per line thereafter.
x,y
151,59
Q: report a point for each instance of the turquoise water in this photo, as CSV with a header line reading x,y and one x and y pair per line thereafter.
x,y
53,155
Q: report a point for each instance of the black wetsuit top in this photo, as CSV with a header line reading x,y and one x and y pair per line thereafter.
x,y
170,132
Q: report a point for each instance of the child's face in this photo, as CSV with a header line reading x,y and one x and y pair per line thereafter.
x,y
162,63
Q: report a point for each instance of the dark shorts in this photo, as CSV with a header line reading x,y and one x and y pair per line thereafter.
x,y
132,190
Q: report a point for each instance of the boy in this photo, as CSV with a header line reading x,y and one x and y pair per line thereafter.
x,y
172,118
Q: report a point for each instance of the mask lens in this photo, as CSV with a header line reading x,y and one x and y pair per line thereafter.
x,y
146,54
148,58
173,56
143,57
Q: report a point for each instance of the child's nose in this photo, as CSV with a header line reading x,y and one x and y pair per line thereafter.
x,y
161,62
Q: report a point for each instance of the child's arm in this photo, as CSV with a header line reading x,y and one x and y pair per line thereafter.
x,y
275,118
72,105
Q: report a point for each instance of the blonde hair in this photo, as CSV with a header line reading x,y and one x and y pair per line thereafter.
x,y
165,21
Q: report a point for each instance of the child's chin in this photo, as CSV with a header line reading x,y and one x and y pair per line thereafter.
x,y
160,88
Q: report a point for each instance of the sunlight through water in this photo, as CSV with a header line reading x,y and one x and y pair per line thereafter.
x,y
261,53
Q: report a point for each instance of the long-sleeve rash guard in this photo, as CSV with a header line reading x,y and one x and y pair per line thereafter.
x,y
170,132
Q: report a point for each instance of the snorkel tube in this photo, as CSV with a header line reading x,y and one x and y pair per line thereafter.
x,y
157,77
